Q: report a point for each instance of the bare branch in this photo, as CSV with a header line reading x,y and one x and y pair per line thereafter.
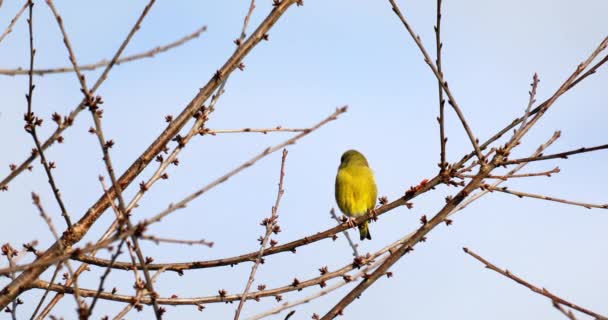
x,y
530,286
103,63
320,293
16,287
158,240
259,130
93,103
9,29
82,308
271,224
561,155
351,243
547,173
31,122
443,165
78,254
561,309
69,119
442,82
542,197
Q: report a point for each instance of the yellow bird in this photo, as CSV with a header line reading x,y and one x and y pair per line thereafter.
x,y
355,188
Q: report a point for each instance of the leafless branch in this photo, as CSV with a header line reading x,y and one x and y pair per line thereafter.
x,y
9,29
561,309
82,308
561,155
93,103
439,76
103,63
47,290
16,287
259,130
530,286
31,122
45,261
351,243
272,226
484,170
158,240
69,119
547,173
542,197
439,45
318,294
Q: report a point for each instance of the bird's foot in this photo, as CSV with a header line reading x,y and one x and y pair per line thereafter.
x,y
373,215
350,221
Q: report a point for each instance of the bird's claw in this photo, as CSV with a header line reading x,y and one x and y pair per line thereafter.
x,y
351,221
373,215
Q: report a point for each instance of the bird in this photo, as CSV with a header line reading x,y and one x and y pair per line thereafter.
x,y
356,189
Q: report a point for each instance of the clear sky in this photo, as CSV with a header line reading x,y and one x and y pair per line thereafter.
x,y
321,56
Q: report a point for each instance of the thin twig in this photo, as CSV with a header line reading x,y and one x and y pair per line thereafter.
x,y
45,261
531,101
103,278
294,286
521,175
320,293
9,29
259,130
9,252
83,267
513,171
46,291
114,256
82,307
140,293
558,93
530,286
567,313
443,165
92,103
158,240
270,224
103,63
561,155
517,121
351,243
542,197
267,151
484,170
291,313
440,79
31,122
14,288
69,119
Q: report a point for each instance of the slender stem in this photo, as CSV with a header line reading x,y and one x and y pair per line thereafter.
x,y
561,155
270,224
9,29
530,286
103,63
439,45
440,79
542,197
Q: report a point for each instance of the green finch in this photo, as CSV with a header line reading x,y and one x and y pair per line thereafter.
x,y
355,188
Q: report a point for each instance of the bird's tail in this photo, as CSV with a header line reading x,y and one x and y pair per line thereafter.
x,y
364,231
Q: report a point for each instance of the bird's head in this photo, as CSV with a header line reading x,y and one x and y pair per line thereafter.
x,y
353,157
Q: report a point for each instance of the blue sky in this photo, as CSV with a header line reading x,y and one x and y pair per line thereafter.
x,y
319,57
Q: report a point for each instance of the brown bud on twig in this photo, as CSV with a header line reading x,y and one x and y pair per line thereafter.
x,y
323,270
